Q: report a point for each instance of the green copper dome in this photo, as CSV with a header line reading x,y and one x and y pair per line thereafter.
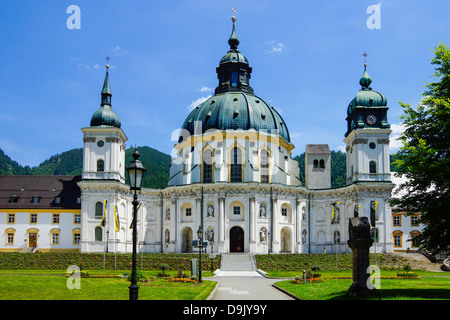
x,y
237,111
105,115
367,97
234,106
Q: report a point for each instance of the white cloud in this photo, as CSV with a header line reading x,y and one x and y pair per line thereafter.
x,y
205,89
96,66
118,51
397,130
275,48
198,102
341,148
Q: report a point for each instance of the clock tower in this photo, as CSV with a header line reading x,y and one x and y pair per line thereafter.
x,y
104,142
367,136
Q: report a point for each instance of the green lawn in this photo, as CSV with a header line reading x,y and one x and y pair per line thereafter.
x,y
52,285
426,288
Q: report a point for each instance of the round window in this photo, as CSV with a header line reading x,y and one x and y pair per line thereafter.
x,y
100,143
372,145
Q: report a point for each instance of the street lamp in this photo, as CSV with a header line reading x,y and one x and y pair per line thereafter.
x,y
200,240
135,173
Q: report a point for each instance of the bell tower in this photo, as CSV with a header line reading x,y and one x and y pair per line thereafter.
x,y
104,142
367,136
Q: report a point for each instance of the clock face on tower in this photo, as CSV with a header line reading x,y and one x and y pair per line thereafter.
x,y
371,119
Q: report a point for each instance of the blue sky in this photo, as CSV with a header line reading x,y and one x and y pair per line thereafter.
x,y
306,59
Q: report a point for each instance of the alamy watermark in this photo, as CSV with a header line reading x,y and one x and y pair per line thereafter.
x,y
374,20
74,278
74,20
373,282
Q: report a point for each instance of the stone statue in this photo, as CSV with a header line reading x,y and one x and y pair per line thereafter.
x,y
210,211
262,211
168,214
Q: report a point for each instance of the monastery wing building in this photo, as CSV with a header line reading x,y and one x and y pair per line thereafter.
x,y
233,175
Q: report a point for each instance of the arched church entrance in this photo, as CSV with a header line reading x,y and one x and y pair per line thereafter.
x,y
236,239
187,240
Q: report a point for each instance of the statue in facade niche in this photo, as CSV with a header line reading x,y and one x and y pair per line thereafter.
x,y
168,214
263,234
210,234
262,211
210,211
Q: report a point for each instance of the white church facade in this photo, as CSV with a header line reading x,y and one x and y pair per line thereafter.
x,y
233,175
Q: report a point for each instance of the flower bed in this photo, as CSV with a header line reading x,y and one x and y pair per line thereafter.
x,y
311,280
183,280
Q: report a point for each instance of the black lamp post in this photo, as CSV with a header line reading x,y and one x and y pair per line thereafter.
x,y
135,173
200,240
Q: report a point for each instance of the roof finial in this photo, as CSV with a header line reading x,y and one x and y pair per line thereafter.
x,y
233,41
107,61
365,80
365,54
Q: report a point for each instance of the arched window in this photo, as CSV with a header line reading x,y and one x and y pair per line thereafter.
x,y
236,165
98,210
207,166
98,234
316,163
100,166
234,79
264,166
322,163
372,167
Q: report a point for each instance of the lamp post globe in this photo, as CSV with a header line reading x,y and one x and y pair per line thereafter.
x,y
135,173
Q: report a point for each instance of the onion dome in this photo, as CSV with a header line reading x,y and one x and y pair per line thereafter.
x,y
367,97
105,115
234,106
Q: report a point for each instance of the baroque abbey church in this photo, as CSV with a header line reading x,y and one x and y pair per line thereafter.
x,y
233,175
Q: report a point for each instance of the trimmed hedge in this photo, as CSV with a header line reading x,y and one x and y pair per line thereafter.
x,y
321,261
94,261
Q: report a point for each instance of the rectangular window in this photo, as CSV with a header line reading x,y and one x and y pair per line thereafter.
x,y
55,238
77,218
76,238
397,240
10,238
11,217
35,199
284,212
55,218
188,212
33,218
57,200
414,221
397,221
236,210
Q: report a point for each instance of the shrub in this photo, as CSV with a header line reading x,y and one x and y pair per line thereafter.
x,y
163,267
140,276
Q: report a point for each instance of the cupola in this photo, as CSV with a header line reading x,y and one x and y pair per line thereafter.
x,y
105,115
